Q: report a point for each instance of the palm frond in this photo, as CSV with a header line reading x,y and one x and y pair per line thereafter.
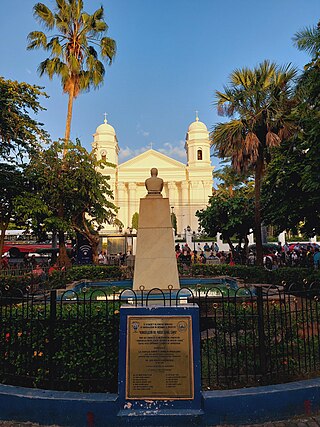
x,y
272,139
108,48
36,40
54,46
43,14
98,14
308,39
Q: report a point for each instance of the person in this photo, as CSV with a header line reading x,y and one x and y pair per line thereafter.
x,y
222,258
185,259
206,247
316,259
215,247
202,257
38,273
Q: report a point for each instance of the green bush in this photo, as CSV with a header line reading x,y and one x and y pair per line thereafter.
x,y
93,272
257,274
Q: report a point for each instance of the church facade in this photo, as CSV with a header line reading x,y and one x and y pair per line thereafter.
x,y
188,186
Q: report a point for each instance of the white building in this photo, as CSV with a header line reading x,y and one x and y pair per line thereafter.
x,y
187,186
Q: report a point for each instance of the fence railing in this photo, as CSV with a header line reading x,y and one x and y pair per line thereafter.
x,y
69,341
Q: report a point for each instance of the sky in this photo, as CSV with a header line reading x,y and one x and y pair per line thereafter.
x,y
172,55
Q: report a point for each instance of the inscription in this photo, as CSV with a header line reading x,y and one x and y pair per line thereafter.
x,y
159,357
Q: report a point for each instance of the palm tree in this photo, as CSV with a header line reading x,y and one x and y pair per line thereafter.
x,y
258,101
73,55
308,39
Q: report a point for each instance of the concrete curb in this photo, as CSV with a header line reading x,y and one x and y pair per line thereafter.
x,y
243,406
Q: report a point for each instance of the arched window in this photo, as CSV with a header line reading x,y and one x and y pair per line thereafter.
x,y
199,154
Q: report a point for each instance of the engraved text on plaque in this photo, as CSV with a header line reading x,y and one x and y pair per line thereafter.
x,y
159,358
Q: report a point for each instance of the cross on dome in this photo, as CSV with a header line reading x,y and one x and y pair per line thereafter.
x,y
197,117
105,118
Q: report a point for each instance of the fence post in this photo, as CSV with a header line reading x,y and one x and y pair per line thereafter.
x,y
52,323
261,334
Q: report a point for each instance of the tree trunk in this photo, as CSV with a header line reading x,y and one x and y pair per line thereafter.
x,y
94,242
2,237
257,209
68,122
231,247
63,260
246,248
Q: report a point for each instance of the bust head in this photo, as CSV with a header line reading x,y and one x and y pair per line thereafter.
x,y
154,172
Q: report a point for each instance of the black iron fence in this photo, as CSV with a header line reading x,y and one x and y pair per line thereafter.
x,y
69,341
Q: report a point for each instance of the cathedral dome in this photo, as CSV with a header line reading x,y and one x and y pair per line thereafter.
x,y
197,126
105,128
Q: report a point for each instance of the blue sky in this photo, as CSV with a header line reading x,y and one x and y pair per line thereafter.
x,y
172,56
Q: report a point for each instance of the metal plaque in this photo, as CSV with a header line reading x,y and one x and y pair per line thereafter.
x,y
159,358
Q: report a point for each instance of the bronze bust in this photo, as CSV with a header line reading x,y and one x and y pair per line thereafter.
x,y
154,185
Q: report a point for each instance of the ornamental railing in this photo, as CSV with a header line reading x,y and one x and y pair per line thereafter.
x,y
69,341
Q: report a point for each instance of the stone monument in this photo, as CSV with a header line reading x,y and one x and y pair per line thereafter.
x,y
155,264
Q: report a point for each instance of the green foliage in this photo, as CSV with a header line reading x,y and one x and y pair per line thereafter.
x,y
258,101
69,192
135,221
229,215
257,274
67,354
93,272
73,55
291,189
12,185
19,133
308,39
174,222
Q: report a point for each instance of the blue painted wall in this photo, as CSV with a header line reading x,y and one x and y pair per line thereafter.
x,y
241,406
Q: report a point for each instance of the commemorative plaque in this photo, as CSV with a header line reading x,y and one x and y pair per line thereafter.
x,y
159,358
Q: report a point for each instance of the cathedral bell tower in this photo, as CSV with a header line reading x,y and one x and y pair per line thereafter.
x,y
105,144
198,145
199,169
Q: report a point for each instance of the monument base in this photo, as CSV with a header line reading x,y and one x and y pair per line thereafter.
x,y
155,263
159,365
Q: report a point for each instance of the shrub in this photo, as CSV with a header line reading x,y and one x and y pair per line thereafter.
x,y
93,272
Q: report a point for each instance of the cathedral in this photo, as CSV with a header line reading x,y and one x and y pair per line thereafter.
x,y
188,187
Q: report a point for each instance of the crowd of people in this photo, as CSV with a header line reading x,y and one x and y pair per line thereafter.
x,y
293,255
201,254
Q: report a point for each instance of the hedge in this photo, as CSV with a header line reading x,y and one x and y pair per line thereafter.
x,y
245,273
256,274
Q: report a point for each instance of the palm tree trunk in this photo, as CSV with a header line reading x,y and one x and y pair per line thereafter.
x,y
68,122
257,209
63,256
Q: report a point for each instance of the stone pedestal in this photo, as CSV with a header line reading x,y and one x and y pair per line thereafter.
x,y
155,264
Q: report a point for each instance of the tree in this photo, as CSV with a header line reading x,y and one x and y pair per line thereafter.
x,y
12,185
135,220
19,133
308,39
81,190
291,191
229,215
174,222
72,47
259,101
